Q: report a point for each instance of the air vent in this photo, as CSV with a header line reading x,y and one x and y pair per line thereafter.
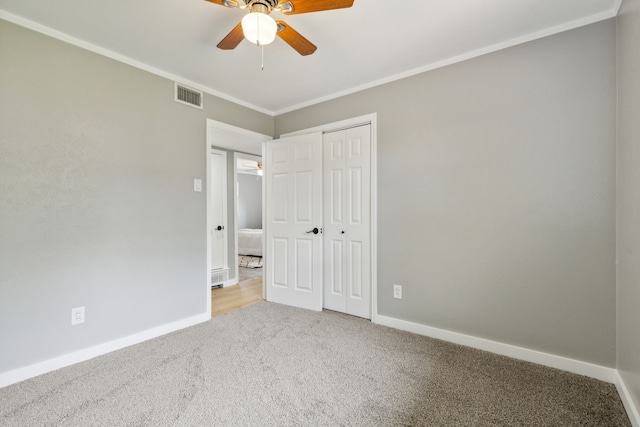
x,y
188,96
218,277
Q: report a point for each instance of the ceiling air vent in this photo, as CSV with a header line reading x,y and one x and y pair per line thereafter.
x,y
188,96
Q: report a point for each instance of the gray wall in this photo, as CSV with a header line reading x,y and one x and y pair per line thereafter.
x,y
496,187
628,239
249,201
506,230
97,207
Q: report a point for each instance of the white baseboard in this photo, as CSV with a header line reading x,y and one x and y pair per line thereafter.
x,y
21,374
230,282
575,366
627,401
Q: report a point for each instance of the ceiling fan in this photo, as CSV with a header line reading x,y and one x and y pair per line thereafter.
x,y
259,28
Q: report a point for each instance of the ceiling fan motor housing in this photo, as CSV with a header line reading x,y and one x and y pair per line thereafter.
x,y
263,6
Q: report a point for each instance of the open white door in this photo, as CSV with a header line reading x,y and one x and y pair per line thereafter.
x,y
218,211
293,241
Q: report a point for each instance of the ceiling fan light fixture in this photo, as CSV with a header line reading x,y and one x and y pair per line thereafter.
x,y
259,28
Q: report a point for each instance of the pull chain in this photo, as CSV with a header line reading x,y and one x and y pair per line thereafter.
x,y
261,48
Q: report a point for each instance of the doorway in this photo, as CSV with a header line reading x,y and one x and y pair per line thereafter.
x,y
234,140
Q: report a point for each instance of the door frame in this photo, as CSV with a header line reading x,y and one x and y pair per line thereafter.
x,y
367,119
233,138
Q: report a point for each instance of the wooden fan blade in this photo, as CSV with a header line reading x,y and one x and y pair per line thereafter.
x,y
233,39
306,6
294,39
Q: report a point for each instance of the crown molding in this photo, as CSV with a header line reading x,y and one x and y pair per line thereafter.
x,y
34,26
462,57
432,66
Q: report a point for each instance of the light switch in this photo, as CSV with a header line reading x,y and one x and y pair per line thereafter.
x,y
197,185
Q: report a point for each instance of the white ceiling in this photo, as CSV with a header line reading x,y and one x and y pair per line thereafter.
x,y
374,41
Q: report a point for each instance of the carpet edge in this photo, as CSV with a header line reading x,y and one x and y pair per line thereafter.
x,y
20,374
591,370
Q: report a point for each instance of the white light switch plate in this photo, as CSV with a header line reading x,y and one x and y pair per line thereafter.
x,y
197,185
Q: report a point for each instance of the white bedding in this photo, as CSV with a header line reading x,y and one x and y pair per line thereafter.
x,y
250,241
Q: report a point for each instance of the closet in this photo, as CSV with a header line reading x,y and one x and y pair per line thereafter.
x,y
347,221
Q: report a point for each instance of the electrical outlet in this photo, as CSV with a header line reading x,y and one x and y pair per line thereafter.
x,y
77,316
397,291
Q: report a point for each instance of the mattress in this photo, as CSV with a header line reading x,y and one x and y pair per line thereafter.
x,y
250,241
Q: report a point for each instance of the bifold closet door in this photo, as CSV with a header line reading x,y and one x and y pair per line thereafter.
x,y
347,227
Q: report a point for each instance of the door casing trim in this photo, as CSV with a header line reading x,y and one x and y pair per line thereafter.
x,y
240,145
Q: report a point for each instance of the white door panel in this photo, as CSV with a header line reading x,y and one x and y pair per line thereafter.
x,y
334,146
335,197
293,171
347,270
279,256
304,265
279,203
336,261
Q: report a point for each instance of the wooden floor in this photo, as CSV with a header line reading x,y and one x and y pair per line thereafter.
x,y
244,294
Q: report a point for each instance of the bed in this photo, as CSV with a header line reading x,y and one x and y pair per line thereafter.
x,y
250,241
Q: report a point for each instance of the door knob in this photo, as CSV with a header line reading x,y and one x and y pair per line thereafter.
x,y
314,231
219,228
342,232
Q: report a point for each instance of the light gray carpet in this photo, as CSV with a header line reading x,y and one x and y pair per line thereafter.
x,y
269,364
